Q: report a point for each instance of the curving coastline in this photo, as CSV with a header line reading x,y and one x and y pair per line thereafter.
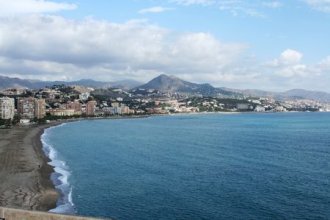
x,y
24,170
32,177
59,177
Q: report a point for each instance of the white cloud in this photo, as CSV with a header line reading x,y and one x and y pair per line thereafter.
x,y
272,4
194,2
16,7
321,5
55,46
157,9
325,63
287,57
290,56
293,71
235,7
289,65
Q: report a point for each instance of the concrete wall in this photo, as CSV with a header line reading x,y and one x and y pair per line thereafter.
x,y
15,214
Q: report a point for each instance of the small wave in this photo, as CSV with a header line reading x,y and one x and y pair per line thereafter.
x,y
60,177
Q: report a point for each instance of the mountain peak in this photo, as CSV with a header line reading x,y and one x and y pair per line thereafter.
x,y
167,77
173,84
165,83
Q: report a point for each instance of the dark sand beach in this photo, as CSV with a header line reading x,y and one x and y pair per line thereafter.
x,y
24,173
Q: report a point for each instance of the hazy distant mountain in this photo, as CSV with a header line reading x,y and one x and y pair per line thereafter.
x,y
287,95
305,94
252,92
126,84
172,84
7,82
86,83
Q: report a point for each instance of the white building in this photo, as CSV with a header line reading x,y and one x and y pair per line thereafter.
x,y
280,109
7,108
84,96
30,107
259,108
118,110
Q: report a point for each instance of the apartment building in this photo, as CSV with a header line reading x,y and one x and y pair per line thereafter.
x,y
91,108
76,106
29,108
7,108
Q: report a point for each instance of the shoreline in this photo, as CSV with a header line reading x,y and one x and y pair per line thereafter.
x,y
24,172
59,176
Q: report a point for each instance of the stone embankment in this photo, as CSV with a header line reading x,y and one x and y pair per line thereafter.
x,y
16,214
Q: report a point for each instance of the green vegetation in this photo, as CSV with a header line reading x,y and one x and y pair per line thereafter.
x,y
5,123
49,117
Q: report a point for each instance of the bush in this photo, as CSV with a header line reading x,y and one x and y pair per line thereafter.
x,y
5,123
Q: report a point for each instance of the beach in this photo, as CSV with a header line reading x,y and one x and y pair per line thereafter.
x,y
25,181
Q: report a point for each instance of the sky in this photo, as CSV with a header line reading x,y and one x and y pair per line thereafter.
x,y
271,45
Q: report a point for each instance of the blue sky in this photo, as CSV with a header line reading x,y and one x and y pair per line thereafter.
x,y
263,44
287,24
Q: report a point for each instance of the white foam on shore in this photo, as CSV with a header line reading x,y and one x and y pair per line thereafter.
x,y
61,176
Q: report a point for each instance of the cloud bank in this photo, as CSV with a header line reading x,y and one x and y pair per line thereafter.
x,y
55,46
50,47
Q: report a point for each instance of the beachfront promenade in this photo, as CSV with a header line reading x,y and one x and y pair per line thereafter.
x,y
16,214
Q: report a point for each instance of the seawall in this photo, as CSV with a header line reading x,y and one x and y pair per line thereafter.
x,y
16,214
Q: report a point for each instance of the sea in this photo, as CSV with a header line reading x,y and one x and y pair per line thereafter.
x,y
201,166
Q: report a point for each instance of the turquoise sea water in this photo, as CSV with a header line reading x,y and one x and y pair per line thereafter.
x,y
241,166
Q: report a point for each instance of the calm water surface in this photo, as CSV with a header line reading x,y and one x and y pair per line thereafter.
x,y
242,166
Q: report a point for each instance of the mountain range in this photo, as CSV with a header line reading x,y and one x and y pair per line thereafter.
x,y
170,84
295,94
173,84
7,82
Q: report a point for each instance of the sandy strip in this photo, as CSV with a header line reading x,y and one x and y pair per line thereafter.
x,y
24,173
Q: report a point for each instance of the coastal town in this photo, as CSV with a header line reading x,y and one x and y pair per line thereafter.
x,y
25,106
164,109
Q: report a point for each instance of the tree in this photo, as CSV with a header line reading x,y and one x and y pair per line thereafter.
x,y
5,123
16,119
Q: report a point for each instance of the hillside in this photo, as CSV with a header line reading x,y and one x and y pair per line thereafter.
x,y
172,84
